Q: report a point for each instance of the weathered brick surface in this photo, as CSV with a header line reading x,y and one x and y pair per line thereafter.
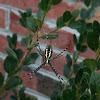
x,y
3,42
2,18
46,85
2,67
8,95
15,26
21,4
33,82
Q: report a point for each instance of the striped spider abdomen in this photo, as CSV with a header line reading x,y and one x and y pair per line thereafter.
x,y
48,54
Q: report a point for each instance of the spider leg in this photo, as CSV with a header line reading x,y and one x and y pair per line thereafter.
x,y
59,77
61,53
33,72
39,50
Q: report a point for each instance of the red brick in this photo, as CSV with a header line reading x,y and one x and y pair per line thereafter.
x,y
2,18
21,4
8,95
14,26
2,67
46,85
3,42
32,84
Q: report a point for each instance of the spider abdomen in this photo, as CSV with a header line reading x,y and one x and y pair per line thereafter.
x,y
48,53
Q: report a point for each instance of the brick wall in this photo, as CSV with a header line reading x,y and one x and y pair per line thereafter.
x,y
42,84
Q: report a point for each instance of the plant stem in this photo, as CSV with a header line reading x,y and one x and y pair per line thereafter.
x,y
76,57
18,97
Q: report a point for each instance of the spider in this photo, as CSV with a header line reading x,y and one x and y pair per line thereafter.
x,y
47,61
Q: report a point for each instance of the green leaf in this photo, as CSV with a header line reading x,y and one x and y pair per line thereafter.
x,y
84,81
89,27
90,13
91,64
83,48
31,23
95,84
29,12
50,36
55,2
83,13
75,13
13,83
66,16
13,97
69,60
10,64
93,40
74,55
78,46
1,79
75,39
67,95
11,53
54,95
14,40
87,2
95,3
19,53
37,22
44,4
31,59
82,29
23,22
98,64
87,70
60,22
75,25
66,70
78,75
75,68
59,97
9,41
96,27
85,97
24,41
72,81
39,13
